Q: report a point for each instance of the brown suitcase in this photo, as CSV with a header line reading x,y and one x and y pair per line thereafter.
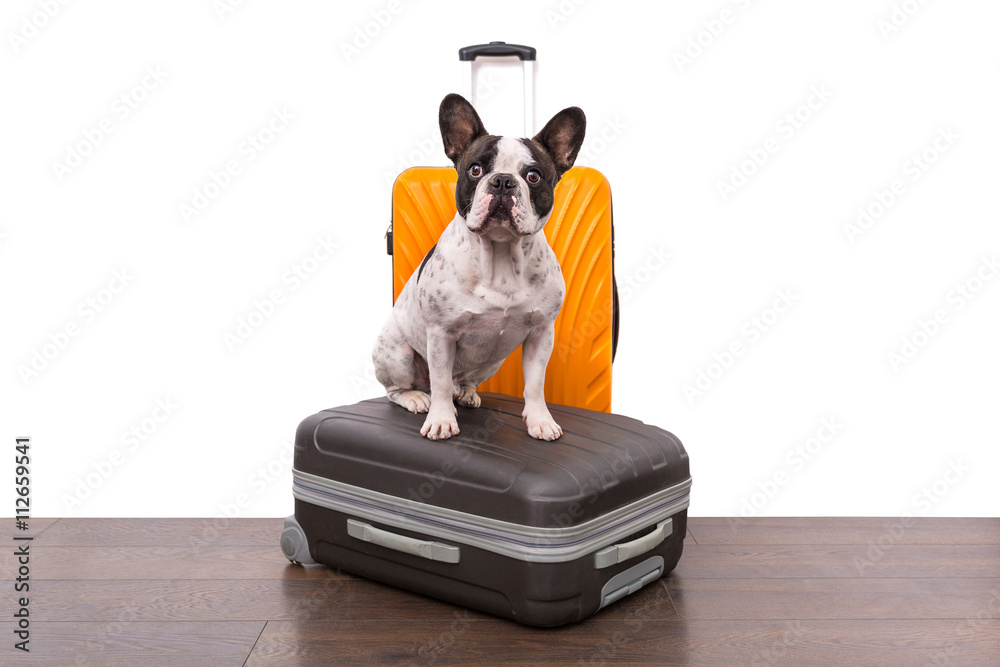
x,y
545,533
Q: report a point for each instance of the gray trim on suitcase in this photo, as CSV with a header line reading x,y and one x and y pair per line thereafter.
x,y
294,544
526,543
631,580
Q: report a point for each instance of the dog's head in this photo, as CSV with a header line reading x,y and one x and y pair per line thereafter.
x,y
505,184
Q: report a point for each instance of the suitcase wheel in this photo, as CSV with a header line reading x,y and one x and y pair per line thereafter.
x,y
294,544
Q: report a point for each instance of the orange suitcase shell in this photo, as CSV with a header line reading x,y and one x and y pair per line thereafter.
x,y
579,231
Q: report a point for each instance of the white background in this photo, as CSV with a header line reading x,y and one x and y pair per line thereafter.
x,y
665,131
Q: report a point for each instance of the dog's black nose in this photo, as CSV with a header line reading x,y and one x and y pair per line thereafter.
x,y
500,183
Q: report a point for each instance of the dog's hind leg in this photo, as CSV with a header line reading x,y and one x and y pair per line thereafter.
x,y
401,370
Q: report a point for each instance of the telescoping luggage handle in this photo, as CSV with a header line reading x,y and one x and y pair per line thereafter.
x,y
468,54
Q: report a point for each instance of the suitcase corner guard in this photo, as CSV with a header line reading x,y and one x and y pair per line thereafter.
x,y
294,544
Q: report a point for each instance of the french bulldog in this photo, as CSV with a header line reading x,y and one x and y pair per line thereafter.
x,y
491,284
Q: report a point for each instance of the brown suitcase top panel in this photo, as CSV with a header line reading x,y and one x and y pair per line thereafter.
x,y
494,469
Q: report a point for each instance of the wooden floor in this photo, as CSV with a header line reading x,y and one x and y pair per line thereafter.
x,y
758,592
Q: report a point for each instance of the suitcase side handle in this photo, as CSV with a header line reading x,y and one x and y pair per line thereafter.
x,y
410,545
620,553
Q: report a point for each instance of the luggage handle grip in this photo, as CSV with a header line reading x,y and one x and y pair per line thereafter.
x,y
468,54
410,545
496,49
620,553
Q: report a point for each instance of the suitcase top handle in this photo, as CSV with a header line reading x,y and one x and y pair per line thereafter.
x,y
496,49
468,54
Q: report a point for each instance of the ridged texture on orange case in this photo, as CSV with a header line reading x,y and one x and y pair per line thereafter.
x,y
579,231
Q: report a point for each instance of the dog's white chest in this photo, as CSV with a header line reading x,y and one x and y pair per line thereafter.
x,y
489,336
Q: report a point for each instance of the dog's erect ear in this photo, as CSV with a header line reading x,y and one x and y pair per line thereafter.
x,y
562,137
460,125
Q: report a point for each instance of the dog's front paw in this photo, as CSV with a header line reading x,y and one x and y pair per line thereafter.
x,y
541,425
439,426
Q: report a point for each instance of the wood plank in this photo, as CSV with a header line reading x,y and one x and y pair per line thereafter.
x,y
134,643
193,533
790,599
851,530
195,599
109,562
817,561
161,600
459,641
371,600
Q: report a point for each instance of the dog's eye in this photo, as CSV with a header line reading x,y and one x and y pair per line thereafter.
x,y
475,171
533,177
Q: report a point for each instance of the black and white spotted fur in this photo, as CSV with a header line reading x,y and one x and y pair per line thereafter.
x,y
491,284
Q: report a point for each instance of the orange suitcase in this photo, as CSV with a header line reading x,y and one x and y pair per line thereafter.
x,y
581,234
